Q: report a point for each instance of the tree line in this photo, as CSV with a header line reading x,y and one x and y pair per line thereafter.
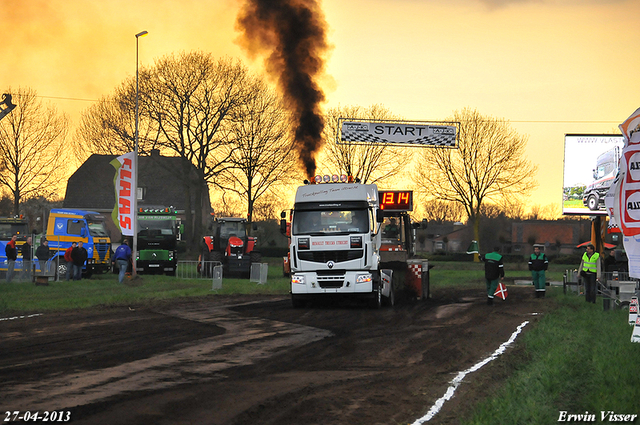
x,y
236,131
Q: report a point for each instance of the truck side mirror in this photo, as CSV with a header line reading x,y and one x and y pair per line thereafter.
x,y
283,226
379,216
283,214
83,232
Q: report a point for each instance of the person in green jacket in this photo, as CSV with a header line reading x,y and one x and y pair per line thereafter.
x,y
493,272
538,263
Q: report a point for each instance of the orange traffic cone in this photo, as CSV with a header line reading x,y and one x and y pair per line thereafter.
x,y
633,310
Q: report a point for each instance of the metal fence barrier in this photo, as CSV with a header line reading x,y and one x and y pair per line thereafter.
x,y
212,270
188,269
259,273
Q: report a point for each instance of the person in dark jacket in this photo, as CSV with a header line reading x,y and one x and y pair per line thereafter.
x,y
538,263
43,253
25,250
493,272
12,255
79,256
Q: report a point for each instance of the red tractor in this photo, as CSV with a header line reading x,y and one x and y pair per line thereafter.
x,y
230,246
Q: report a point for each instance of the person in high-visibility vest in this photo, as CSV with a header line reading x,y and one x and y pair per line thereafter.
x,y
590,270
538,263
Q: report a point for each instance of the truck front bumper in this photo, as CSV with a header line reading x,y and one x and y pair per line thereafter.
x,y
349,282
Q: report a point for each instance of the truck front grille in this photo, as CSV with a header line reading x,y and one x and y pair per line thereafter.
x,y
102,249
331,281
335,256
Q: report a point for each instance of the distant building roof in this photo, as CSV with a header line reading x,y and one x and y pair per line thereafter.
x,y
91,186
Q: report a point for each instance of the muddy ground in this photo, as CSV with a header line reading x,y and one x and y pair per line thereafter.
x,y
235,360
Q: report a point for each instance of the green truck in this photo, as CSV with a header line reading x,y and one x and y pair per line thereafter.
x,y
158,232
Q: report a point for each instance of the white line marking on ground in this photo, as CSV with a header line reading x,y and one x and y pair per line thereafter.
x,y
458,379
19,317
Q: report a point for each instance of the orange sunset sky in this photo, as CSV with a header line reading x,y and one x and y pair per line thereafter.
x,y
551,67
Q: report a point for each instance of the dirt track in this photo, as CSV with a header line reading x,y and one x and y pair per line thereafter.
x,y
255,360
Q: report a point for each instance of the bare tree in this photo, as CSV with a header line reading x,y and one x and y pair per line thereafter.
x,y
371,163
185,100
488,165
31,147
189,96
443,211
108,127
261,147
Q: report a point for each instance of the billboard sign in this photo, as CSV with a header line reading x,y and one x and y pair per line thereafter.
x,y
591,164
403,133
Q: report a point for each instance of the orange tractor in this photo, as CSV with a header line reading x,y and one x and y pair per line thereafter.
x,y
229,246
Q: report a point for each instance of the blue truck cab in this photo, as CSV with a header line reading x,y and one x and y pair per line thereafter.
x,y
66,226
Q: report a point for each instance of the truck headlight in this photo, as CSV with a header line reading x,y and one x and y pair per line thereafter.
x,y
363,278
297,279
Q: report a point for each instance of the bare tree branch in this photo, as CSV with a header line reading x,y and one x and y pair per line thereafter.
x,y
488,165
372,163
31,147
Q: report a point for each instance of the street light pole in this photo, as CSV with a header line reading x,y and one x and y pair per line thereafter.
x,y
135,178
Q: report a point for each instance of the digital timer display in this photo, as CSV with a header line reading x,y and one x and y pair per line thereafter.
x,y
396,200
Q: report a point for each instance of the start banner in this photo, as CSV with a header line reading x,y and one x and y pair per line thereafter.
x,y
442,134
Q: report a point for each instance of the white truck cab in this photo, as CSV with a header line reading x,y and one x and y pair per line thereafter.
x,y
335,243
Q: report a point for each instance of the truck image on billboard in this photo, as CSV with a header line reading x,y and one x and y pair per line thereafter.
x,y
591,164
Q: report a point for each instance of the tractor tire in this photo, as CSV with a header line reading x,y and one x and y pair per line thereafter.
x,y
256,257
215,257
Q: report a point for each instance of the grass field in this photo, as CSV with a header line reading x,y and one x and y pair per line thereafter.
x,y
578,358
104,290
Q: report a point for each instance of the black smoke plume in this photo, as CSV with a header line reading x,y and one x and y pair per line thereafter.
x,y
293,34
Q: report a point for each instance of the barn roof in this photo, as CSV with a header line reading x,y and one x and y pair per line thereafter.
x,y
91,186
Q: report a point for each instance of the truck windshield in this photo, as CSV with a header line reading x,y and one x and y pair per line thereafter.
x,y
345,221
7,230
163,226
97,228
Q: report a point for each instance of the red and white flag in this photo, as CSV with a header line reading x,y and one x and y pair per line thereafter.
x,y
501,291
124,183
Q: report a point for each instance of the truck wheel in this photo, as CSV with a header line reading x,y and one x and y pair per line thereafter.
x,y
376,301
62,271
592,203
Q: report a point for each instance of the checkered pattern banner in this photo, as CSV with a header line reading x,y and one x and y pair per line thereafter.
x,y
398,133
